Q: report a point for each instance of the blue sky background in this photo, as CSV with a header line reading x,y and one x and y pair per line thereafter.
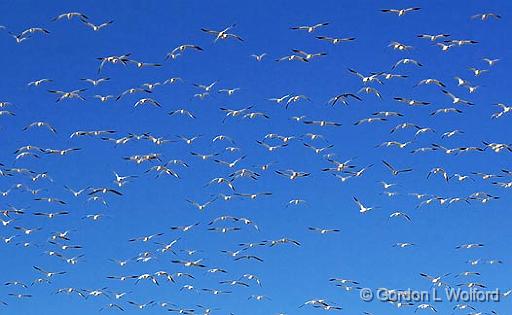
x,y
290,275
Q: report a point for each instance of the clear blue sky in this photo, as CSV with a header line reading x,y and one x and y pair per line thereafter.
x,y
290,275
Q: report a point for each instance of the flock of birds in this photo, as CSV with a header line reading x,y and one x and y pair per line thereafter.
x,y
162,261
